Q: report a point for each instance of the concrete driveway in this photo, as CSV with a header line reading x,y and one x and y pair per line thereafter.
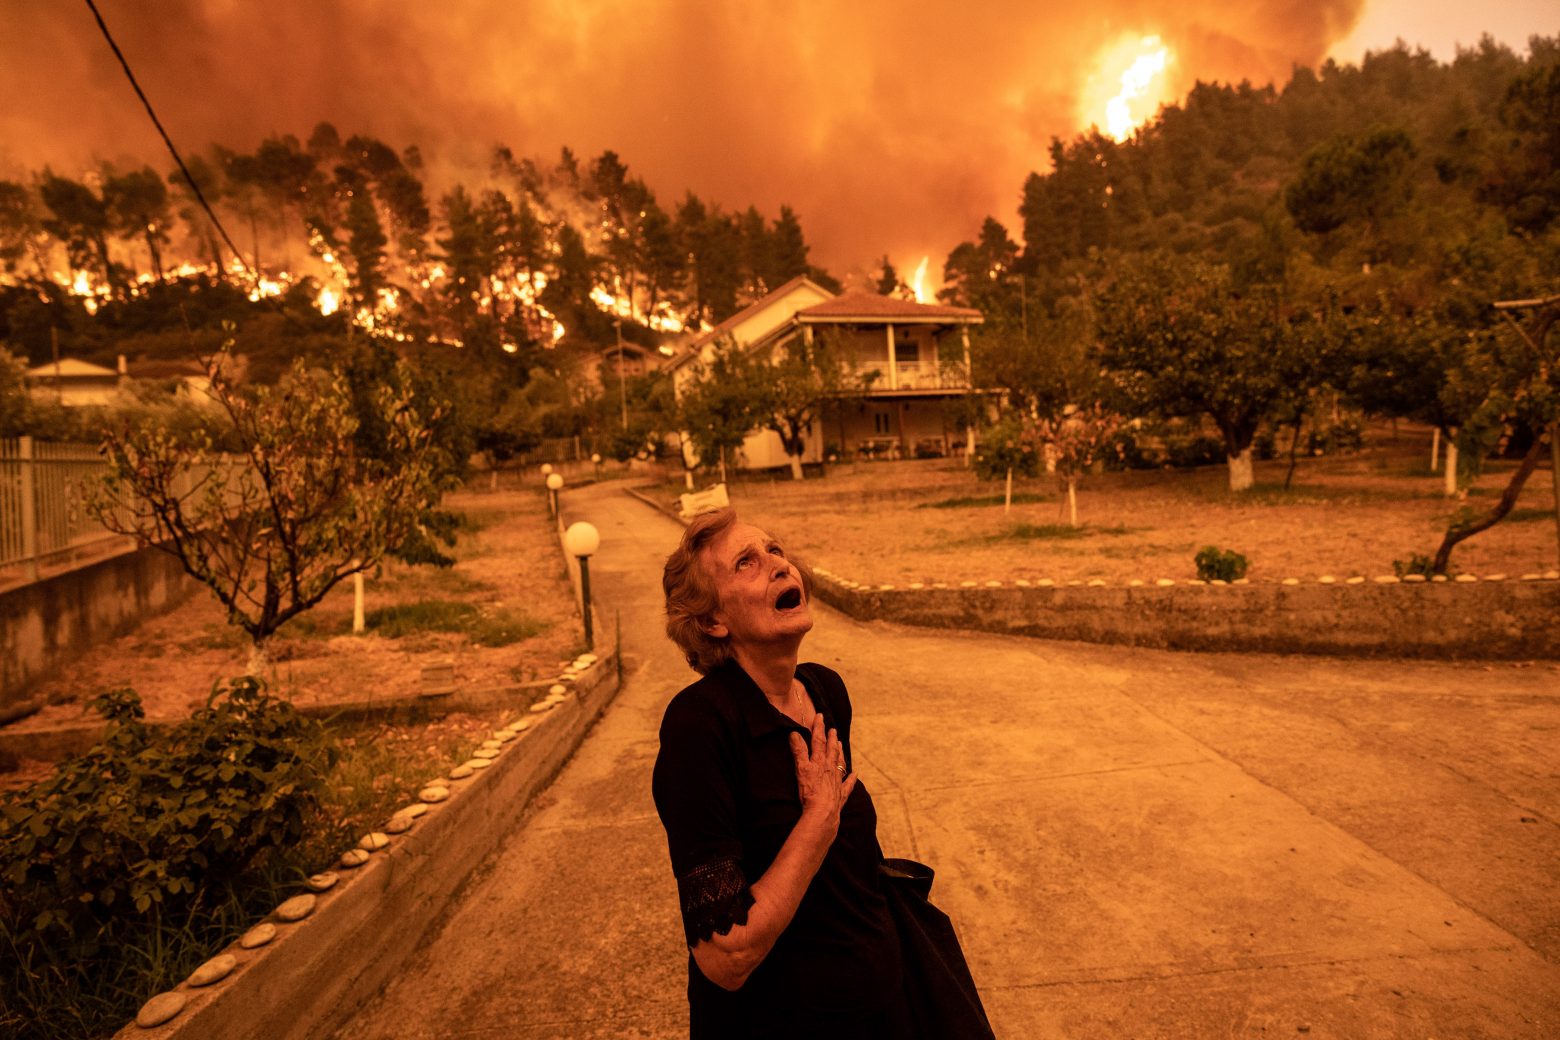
x,y
1132,843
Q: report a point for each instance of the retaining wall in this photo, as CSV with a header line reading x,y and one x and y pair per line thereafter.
x,y
46,623
1466,617
1499,618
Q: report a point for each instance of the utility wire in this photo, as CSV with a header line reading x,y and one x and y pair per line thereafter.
x,y
173,151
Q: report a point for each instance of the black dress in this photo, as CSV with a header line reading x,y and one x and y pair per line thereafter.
x,y
725,788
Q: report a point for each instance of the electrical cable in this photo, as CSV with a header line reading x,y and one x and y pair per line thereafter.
x,y
200,196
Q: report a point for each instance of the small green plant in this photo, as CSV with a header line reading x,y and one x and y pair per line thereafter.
x,y
972,501
491,628
1418,563
1215,564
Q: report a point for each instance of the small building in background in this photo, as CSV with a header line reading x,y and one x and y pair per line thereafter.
x,y
910,362
75,383
80,384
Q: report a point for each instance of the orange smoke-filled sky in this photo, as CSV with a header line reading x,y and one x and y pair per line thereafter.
x,y
891,127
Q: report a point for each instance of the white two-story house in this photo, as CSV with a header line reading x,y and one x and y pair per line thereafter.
x,y
911,363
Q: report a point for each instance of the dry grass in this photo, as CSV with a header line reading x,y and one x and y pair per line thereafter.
x,y
506,614
933,521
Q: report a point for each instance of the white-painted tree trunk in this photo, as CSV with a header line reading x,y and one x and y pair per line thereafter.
x,y
1072,500
723,465
688,478
1241,477
1554,473
796,467
357,602
1007,498
259,660
1435,449
1449,485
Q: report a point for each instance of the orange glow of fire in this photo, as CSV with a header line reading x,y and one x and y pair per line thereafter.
x,y
918,282
382,317
1129,85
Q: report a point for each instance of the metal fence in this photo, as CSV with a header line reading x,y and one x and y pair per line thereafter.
x,y
43,519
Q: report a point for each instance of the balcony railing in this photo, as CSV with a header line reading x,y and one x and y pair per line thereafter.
x,y
914,375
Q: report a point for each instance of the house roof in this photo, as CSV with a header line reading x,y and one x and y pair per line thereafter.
x,y
753,308
172,369
71,368
870,307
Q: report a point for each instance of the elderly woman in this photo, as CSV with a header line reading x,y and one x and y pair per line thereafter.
x,y
772,839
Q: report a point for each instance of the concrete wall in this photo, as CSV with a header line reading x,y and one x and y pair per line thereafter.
x,y
46,623
1485,619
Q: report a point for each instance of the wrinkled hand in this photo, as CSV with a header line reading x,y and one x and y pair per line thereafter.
x,y
820,772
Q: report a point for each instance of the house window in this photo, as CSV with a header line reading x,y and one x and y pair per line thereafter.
x,y
906,351
880,422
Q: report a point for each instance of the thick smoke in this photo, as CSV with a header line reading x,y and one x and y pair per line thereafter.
x,y
889,126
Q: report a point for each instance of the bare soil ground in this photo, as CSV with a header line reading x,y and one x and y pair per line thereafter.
x,y
508,566
1347,515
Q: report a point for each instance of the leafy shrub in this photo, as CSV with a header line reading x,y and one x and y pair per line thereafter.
x,y
1215,564
1332,438
1415,564
1128,450
1201,450
150,821
1002,447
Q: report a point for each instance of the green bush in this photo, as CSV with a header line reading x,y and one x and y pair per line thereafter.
x,y
1215,564
1201,450
1418,563
149,820
1003,446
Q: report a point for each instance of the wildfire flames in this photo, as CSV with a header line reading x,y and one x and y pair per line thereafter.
x,y
379,320
1129,86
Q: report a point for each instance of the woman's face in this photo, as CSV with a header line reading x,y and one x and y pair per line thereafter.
x,y
762,601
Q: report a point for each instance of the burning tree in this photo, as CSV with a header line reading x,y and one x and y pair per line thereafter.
x,y
298,508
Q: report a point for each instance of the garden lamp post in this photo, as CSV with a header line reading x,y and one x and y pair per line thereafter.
x,y
554,485
581,541
595,461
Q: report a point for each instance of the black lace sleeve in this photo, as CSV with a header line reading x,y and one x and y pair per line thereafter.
x,y
714,897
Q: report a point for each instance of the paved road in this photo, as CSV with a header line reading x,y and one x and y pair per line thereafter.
x,y
1132,843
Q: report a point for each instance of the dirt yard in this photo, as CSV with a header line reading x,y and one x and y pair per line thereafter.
x,y
507,589
1350,515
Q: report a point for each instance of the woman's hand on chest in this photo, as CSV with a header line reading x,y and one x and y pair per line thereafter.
x,y
822,780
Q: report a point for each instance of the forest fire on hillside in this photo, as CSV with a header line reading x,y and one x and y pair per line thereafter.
x,y
1135,69
857,115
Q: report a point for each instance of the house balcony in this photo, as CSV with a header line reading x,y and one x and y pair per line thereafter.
x,y
912,376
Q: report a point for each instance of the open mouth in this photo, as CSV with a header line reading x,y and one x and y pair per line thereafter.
x,y
790,599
